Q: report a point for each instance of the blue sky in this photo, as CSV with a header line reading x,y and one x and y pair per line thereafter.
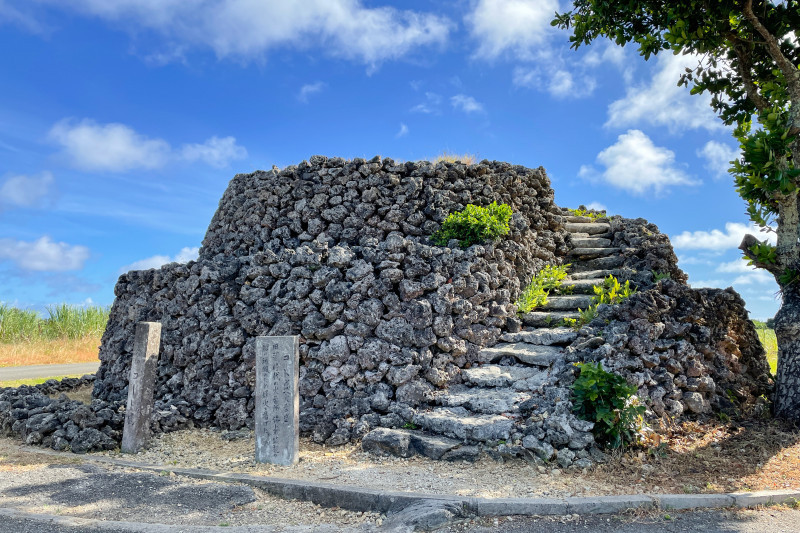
x,y
122,122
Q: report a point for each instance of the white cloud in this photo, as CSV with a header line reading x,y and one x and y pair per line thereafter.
x,y
755,277
251,28
108,147
116,147
402,132
467,104
717,240
517,27
26,191
430,105
636,165
737,265
43,255
557,81
184,256
663,103
309,89
216,152
20,18
709,283
718,157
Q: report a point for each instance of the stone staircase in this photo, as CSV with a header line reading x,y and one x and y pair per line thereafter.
x,y
519,372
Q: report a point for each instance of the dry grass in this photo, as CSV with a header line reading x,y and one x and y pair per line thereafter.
x,y
447,157
712,457
50,351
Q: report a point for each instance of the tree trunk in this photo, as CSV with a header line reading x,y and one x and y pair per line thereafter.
x,y
787,330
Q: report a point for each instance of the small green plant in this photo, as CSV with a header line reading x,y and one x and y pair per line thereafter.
x,y
610,292
585,213
474,225
410,425
658,276
545,281
607,400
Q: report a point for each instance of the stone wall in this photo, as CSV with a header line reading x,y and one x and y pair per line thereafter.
x,y
689,351
337,252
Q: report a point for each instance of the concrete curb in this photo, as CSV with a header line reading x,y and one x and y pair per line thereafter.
x,y
370,500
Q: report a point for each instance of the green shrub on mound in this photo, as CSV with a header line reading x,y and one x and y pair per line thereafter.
x,y
474,225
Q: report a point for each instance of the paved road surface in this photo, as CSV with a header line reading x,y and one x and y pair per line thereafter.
x,y
45,371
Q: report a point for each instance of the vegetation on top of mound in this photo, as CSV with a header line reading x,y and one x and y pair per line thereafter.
x,y
586,213
474,225
447,157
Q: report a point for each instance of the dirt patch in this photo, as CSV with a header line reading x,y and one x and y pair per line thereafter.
x,y
713,457
81,394
689,458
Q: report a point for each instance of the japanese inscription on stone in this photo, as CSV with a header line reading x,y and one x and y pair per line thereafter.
x,y
277,417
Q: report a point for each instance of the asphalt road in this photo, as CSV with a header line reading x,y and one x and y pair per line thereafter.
x,y
9,373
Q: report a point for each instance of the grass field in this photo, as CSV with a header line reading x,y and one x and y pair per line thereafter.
x,y
770,344
35,381
69,334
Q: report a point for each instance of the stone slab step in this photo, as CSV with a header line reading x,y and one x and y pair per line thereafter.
x,y
574,218
481,400
588,253
405,443
582,286
590,242
600,263
520,378
532,354
567,303
592,228
459,423
543,336
546,319
589,274
497,376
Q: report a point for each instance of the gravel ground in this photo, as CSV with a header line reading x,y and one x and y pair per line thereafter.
x,y
68,487
348,465
767,520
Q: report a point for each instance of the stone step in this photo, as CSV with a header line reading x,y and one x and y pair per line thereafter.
x,y
592,228
481,400
577,219
590,242
547,319
532,354
567,303
589,253
589,274
542,336
582,286
600,263
459,423
497,376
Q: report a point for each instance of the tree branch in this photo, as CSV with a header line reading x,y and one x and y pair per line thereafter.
x,y
743,67
773,47
747,242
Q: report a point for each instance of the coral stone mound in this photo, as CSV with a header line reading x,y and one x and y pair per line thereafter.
x,y
337,252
